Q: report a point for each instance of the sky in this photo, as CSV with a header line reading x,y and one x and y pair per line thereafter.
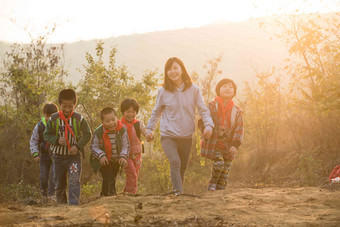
x,y
99,19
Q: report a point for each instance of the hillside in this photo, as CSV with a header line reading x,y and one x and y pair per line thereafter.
x,y
241,44
234,207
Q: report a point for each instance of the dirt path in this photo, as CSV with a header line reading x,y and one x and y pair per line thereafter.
x,y
234,207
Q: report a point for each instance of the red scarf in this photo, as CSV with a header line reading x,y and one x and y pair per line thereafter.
x,y
106,139
224,112
67,127
129,126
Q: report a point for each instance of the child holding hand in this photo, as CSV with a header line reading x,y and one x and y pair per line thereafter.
x,y
135,128
227,134
109,149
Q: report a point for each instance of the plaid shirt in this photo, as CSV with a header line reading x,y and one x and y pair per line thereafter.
x,y
234,133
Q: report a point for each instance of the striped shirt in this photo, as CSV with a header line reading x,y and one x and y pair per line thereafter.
x,y
114,151
63,149
97,145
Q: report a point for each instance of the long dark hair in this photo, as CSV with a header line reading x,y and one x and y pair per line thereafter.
x,y
168,85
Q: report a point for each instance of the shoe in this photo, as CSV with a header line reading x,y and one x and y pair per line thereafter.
x,y
177,193
212,187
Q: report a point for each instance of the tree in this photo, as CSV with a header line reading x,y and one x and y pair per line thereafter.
x,y
314,39
104,86
32,75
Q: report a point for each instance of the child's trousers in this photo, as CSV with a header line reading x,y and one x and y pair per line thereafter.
x,y
132,170
46,165
67,166
220,171
109,174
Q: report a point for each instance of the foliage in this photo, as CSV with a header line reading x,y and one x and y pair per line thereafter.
x,y
314,39
32,75
18,192
90,191
292,113
104,86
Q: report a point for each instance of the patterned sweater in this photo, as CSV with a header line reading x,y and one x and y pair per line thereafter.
x,y
234,133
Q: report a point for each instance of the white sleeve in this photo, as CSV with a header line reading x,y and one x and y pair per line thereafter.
x,y
95,147
156,112
34,141
125,146
203,111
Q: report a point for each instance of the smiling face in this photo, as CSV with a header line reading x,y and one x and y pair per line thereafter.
x,y
227,91
175,73
67,107
109,121
130,114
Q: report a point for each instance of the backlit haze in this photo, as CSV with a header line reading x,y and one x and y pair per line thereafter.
x,y
85,20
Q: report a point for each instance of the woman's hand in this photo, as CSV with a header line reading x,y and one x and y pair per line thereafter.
x,y
149,137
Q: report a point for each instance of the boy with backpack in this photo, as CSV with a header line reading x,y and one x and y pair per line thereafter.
x,y
41,154
110,149
68,133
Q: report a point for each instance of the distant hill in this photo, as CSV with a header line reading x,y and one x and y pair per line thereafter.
x,y
241,44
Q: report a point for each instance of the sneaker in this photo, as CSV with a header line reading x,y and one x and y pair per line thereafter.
x,y
177,193
212,187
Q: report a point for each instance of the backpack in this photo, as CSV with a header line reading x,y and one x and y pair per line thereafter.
x,y
138,133
43,145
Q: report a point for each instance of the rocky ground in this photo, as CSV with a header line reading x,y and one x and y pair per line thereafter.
x,y
233,207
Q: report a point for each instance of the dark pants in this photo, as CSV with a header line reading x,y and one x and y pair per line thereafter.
x,y
178,152
46,165
67,166
109,174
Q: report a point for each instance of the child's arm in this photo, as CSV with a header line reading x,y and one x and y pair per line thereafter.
x,y
238,132
34,142
86,134
95,148
49,134
203,111
143,129
156,112
124,153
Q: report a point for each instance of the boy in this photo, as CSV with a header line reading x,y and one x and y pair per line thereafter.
x,y
227,134
40,151
110,149
68,133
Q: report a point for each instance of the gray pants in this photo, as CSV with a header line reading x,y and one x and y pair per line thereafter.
x,y
178,152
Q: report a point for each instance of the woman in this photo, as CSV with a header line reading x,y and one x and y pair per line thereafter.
x,y
176,105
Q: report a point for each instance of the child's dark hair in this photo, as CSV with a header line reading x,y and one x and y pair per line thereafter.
x,y
67,94
107,110
225,81
50,108
127,103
